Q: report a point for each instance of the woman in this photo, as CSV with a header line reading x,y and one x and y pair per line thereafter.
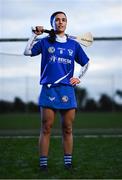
x,y
57,67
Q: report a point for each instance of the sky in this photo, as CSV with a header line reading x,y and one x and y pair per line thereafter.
x,y
101,18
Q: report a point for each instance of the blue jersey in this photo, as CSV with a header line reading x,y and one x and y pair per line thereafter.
x,y
57,61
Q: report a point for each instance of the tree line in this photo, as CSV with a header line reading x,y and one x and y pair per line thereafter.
x,y
105,103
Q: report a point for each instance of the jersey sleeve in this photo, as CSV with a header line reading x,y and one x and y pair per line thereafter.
x,y
36,49
81,57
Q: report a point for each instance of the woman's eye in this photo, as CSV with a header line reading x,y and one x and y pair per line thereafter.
x,y
56,20
64,19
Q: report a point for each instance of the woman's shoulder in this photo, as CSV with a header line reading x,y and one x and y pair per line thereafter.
x,y
73,41
43,39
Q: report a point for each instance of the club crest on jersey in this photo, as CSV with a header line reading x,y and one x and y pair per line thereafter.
x,y
61,50
51,49
70,52
65,99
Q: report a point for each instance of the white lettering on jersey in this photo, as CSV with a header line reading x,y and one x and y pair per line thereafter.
x,y
52,58
64,61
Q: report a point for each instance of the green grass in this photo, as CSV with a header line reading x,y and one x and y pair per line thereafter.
x,y
85,123
82,120
93,158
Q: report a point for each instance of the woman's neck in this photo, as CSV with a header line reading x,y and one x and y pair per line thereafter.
x,y
61,39
61,34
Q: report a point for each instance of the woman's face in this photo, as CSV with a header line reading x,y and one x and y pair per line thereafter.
x,y
59,23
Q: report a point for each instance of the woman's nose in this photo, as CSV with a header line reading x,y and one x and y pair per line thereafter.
x,y
60,21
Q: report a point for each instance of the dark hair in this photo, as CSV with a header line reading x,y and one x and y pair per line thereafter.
x,y
52,35
53,16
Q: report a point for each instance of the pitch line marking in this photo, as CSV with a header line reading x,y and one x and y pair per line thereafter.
x,y
82,136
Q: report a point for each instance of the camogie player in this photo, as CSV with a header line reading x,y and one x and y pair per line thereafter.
x,y
58,55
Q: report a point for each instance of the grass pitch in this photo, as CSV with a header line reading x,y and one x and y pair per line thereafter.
x,y
82,120
85,123
93,158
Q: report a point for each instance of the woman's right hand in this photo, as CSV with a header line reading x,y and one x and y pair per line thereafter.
x,y
38,30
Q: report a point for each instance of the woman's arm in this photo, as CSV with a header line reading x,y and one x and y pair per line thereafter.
x,y
83,71
77,80
30,43
38,31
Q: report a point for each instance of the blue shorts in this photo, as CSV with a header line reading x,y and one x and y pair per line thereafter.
x,y
58,97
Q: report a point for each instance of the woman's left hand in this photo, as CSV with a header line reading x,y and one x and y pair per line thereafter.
x,y
74,81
